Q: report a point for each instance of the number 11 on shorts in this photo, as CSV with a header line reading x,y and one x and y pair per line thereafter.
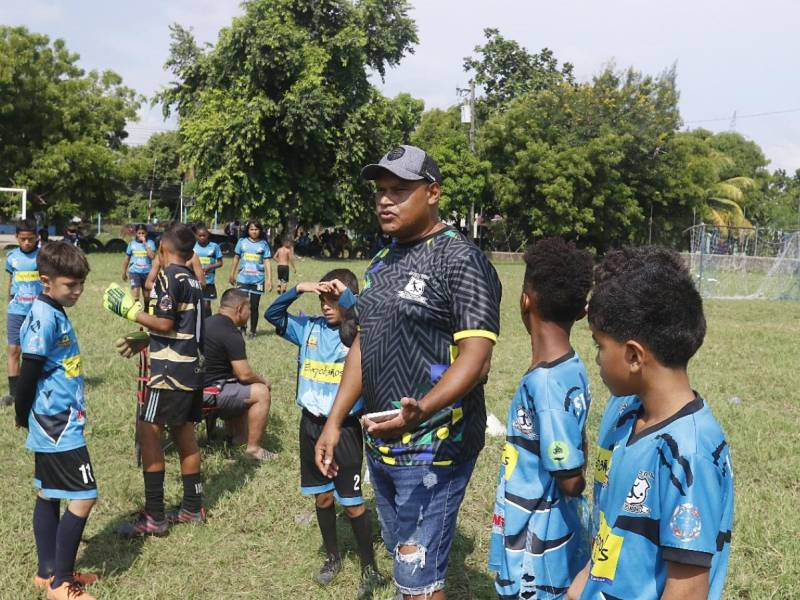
x,y
86,472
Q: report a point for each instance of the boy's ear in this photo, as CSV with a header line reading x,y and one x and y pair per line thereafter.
x,y
634,354
45,279
527,301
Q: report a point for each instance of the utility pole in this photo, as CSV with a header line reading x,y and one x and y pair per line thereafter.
x,y
182,219
468,116
150,201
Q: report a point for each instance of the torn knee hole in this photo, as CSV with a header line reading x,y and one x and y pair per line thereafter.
x,y
411,554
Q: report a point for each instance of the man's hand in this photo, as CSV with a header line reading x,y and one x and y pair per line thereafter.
x,y
411,415
121,303
323,451
132,343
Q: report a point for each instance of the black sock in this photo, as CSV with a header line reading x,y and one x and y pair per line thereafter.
x,y
192,492
154,494
362,530
12,385
326,517
45,526
70,530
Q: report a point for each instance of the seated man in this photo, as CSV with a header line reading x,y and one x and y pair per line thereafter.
x,y
243,397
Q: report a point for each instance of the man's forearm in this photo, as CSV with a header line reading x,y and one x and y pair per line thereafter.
x,y
350,387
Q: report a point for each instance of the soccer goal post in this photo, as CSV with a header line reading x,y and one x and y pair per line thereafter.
x,y
24,193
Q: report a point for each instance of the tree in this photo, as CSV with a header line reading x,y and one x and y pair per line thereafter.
x,y
271,116
61,128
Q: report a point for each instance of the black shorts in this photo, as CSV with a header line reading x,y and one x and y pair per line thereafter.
x,y
283,273
349,456
209,292
230,401
65,475
171,407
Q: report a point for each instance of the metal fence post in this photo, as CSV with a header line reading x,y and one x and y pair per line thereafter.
x,y
702,257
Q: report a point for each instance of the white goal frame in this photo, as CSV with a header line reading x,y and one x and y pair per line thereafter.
x,y
24,193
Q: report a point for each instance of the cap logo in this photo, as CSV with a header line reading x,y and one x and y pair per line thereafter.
x,y
396,153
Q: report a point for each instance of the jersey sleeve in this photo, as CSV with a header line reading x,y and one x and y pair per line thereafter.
x,y
235,347
152,245
475,294
166,305
267,251
560,435
288,326
9,268
129,249
238,249
38,334
217,252
691,507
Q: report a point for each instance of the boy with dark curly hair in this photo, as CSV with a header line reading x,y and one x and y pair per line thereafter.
x,y
663,490
537,543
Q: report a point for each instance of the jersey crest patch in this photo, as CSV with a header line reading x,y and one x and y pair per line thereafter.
x,y
415,289
635,501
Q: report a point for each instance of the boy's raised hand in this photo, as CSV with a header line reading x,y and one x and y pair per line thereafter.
x,y
312,287
121,303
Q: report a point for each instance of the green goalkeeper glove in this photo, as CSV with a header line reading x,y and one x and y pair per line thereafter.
x,y
121,303
132,344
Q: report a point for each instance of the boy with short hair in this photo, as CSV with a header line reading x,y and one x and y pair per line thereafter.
x,y
23,288
138,260
323,346
538,544
174,392
663,491
50,404
210,255
284,256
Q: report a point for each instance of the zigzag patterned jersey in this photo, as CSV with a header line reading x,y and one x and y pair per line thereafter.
x,y
417,301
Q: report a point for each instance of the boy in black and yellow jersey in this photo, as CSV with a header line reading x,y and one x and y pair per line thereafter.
x,y
174,394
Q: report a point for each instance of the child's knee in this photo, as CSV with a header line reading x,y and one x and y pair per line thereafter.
x,y
324,500
354,511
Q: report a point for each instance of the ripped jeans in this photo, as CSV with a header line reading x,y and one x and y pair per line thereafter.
x,y
418,506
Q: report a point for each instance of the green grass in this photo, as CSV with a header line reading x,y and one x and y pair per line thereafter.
x,y
252,547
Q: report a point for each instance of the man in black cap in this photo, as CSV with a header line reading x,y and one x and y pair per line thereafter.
x,y
429,316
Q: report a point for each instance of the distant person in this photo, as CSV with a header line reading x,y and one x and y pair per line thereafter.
x,y
138,261
50,404
252,264
210,256
44,236
284,256
24,286
539,503
71,235
242,397
663,491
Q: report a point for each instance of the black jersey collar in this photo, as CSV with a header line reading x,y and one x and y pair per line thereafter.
x,y
549,365
688,409
426,238
48,300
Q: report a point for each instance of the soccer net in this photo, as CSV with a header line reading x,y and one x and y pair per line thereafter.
x,y
745,262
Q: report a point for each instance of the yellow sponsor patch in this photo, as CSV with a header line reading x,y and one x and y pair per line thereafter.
x,y
72,366
26,276
606,549
205,260
140,252
251,257
321,371
602,465
510,457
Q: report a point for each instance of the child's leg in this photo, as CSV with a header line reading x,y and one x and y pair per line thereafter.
x,y
13,368
189,452
153,468
362,530
136,293
255,300
45,525
68,538
326,518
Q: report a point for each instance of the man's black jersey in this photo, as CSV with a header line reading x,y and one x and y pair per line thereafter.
x,y
418,300
176,356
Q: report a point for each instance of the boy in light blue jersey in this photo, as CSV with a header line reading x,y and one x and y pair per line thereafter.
x,y
50,404
138,261
251,264
210,256
23,288
538,541
323,346
663,489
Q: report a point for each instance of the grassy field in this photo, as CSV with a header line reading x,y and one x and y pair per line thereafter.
x,y
261,540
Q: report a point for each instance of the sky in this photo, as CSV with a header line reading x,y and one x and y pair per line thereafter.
x,y
733,56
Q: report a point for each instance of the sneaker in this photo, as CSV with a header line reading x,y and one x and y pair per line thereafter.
x,y
69,590
7,400
181,515
143,525
371,578
332,565
82,578
252,336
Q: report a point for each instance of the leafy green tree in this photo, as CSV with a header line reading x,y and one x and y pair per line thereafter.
x,y
272,116
61,128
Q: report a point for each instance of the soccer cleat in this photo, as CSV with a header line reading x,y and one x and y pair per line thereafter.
x,y
83,579
69,590
371,578
7,400
331,566
181,515
143,525
252,335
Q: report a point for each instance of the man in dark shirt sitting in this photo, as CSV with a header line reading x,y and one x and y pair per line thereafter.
x,y
244,396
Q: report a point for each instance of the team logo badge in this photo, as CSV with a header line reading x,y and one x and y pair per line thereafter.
x,y
558,451
165,303
686,523
523,423
415,289
635,501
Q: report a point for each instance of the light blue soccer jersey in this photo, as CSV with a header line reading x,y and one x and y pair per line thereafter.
x,y
208,255
25,282
320,358
139,261
251,260
665,493
58,414
538,544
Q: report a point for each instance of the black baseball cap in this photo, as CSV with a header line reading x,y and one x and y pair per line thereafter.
x,y
406,162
